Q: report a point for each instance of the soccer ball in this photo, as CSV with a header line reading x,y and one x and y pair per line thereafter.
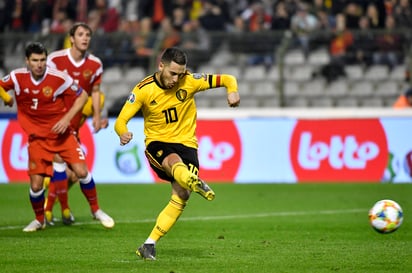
x,y
386,216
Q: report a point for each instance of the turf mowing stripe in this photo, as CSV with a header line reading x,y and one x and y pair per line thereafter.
x,y
223,217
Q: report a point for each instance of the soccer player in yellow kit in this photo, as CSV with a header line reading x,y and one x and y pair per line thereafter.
x,y
167,102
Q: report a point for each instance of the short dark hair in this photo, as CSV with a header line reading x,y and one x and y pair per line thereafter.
x,y
75,26
174,54
35,47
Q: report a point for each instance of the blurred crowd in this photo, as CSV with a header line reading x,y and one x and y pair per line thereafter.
x,y
343,26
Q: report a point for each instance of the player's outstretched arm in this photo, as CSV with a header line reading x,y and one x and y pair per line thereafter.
x,y
129,110
230,82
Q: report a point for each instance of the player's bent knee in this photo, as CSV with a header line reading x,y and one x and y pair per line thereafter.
x,y
80,170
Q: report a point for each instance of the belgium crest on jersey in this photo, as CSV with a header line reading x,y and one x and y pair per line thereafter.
x,y
181,94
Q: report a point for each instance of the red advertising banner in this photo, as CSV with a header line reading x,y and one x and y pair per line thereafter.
x,y
256,150
345,150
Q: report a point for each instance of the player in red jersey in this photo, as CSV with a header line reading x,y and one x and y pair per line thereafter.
x,y
86,69
40,94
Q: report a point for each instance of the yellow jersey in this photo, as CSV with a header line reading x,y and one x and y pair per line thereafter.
x,y
170,114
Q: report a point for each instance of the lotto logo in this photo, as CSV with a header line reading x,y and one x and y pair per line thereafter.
x,y
340,153
339,150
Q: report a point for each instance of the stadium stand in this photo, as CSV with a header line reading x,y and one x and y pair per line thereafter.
x,y
272,68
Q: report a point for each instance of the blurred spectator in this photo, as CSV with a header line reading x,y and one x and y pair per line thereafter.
x,y
352,14
148,42
404,100
372,13
363,46
193,36
303,24
291,6
256,17
226,13
38,16
82,10
156,10
257,20
179,18
6,6
341,41
211,16
59,18
319,5
61,24
5,24
338,48
389,6
326,22
321,38
103,18
403,14
17,15
238,25
94,20
281,17
129,22
196,43
66,6
195,8
66,43
338,6
168,36
110,15
389,45
144,42
187,7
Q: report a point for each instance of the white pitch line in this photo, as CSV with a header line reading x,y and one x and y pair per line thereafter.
x,y
222,217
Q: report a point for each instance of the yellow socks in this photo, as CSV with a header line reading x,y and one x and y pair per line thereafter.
x,y
168,217
181,174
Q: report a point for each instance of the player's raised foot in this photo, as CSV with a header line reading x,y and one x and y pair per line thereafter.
x,y
147,252
204,190
34,225
192,181
48,216
67,217
104,219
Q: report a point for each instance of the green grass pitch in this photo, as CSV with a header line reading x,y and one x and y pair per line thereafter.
x,y
278,228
